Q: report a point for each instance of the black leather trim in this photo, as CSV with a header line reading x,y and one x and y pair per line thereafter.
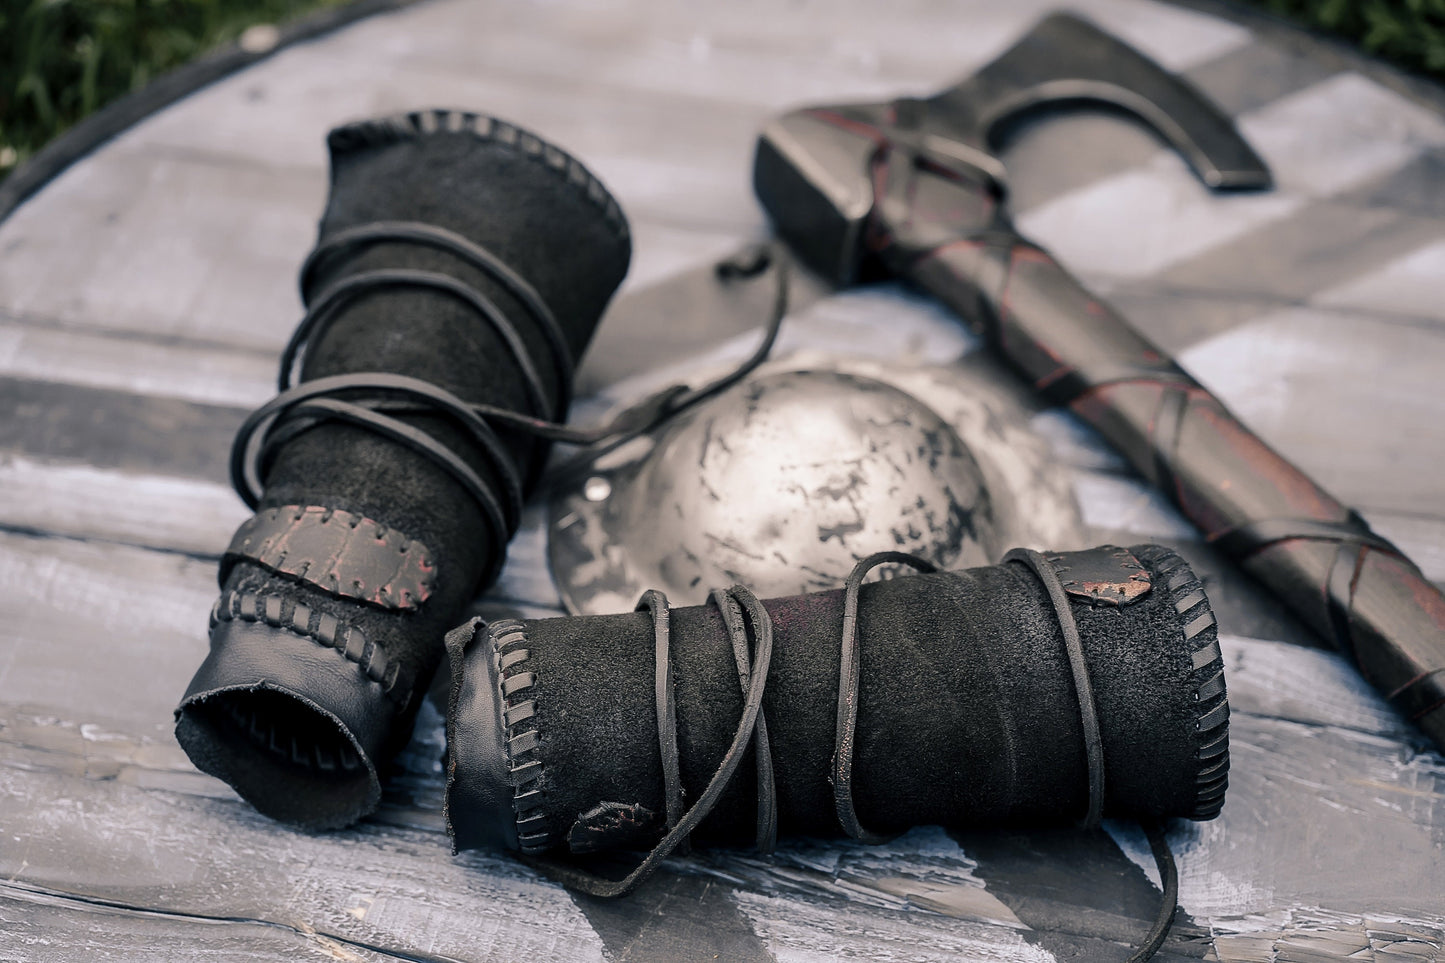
x,y
318,724
479,795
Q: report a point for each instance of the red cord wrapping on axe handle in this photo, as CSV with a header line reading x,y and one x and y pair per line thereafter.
x,y
1314,553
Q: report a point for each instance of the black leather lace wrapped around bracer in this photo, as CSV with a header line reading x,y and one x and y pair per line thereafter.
x,y
461,268
1018,694
1051,689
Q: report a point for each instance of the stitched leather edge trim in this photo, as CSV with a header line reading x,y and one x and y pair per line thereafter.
x,y
1184,592
417,124
327,631
340,552
515,682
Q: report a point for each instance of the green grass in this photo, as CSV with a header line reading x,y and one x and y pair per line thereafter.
x,y
1408,33
62,59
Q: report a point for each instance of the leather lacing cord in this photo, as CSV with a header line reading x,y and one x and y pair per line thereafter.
x,y
750,630
372,399
754,631
1037,563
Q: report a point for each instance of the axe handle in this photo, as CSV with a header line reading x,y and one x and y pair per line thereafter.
x,y
1315,554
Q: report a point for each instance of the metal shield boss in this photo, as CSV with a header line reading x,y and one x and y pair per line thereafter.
x,y
784,481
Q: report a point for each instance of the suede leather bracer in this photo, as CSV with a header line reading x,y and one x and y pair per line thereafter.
x,y
973,709
461,262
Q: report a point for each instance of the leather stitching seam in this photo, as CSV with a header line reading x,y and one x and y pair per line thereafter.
x,y
327,631
422,123
1184,593
515,693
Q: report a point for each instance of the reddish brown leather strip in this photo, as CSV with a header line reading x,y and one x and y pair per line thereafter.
x,y
339,552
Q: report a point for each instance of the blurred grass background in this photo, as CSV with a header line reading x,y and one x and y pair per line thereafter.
x,y
1408,33
62,59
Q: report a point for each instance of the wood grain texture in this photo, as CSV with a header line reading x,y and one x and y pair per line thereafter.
x,y
144,296
41,927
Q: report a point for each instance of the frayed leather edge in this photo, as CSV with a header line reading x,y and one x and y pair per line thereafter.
x,y
417,124
457,642
325,630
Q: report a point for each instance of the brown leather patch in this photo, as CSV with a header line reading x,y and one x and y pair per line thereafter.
x,y
1107,575
612,825
339,552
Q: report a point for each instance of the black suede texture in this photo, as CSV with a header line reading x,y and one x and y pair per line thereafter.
x,y
540,213
968,715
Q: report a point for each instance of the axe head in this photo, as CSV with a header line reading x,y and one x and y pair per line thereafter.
x,y
816,170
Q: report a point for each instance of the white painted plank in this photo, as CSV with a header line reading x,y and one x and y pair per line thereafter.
x,y
1353,401
1339,133
1127,503
199,252
1327,790
198,517
761,53
188,371
205,240
1412,285
1176,37
758,55
153,511
382,886
1336,819
660,250
141,242
1320,141
1310,686
226,355
101,633
663,157
798,931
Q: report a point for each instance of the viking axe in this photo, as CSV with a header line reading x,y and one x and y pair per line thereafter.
x,y
912,189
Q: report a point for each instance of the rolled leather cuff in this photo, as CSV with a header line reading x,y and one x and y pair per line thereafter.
x,y
275,704
968,713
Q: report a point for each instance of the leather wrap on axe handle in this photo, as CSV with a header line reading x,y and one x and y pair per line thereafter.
x,y
364,550
1314,553
968,713
863,185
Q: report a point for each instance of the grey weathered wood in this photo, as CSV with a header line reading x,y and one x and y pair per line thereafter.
x,y
198,217
41,927
1335,135
1313,249
144,295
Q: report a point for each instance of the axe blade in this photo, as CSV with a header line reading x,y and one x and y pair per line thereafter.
x,y
1066,60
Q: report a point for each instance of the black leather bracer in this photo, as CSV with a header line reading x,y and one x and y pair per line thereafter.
x,y
461,268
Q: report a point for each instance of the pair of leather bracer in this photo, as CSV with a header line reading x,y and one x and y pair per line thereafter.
x,y
461,268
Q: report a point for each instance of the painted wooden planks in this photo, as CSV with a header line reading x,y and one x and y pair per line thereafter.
x,y
694,85
196,219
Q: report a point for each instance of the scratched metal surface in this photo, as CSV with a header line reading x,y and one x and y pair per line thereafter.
x,y
144,297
